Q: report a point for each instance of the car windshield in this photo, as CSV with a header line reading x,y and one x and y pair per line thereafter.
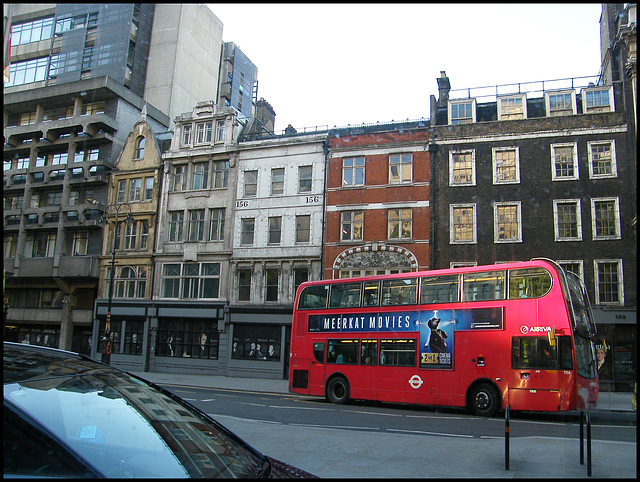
x,y
121,425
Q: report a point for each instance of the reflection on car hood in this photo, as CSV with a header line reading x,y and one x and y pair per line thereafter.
x,y
122,425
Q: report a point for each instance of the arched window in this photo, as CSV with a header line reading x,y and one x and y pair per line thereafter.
x,y
139,148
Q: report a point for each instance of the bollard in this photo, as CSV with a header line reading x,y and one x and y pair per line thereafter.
x,y
581,437
506,438
588,445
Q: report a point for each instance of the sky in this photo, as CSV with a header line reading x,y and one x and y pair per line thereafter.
x,y
349,64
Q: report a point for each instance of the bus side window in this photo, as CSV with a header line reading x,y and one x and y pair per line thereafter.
x,y
399,291
313,297
529,283
318,352
439,289
369,352
345,295
564,348
371,293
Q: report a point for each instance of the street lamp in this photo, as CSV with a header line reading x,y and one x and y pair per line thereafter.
x,y
115,208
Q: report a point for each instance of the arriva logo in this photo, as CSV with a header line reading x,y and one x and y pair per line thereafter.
x,y
524,329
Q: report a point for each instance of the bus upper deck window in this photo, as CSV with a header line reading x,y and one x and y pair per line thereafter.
x,y
371,293
439,289
314,296
488,285
399,291
529,283
345,295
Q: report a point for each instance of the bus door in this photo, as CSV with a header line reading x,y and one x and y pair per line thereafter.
x,y
535,378
317,366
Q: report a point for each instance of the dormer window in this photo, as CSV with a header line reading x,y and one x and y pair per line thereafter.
x,y
560,103
462,111
512,107
597,99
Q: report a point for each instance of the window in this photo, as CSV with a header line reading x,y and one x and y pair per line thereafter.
x,y
217,224
191,280
483,286
180,178
567,220
27,72
86,155
250,183
463,224
399,223
507,222
462,168
400,168
139,154
605,218
512,107
342,352
144,234
303,228
352,223
33,31
398,352
256,342
528,283
272,276
11,245
609,286
196,225
399,291
40,245
135,190
300,275
602,160
122,191
353,171
148,189
564,162
220,174
573,266
246,234
220,128
176,223
130,236
130,282
200,175
597,100
275,229
462,111
533,352
506,165
184,337
560,103
305,174
203,132
277,181
90,108
186,134
345,295
439,289
244,284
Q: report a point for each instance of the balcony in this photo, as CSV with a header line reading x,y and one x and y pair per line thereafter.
x,y
79,267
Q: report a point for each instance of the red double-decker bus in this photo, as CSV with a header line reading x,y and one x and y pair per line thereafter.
x,y
519,334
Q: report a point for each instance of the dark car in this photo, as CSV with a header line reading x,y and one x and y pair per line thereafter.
x,y
66,415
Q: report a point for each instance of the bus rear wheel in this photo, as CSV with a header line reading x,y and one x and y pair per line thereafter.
x,y
484,400
338,390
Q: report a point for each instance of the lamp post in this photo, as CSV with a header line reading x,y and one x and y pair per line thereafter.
x,y
115,208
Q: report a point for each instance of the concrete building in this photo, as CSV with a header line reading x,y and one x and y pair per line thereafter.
x,y
377,207
238,81
79,79
542,169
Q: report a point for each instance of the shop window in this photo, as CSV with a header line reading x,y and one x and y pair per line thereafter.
x,y
256,342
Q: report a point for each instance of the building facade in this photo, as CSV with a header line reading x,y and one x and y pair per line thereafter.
x,y
79,79
378,201
238,81
542,173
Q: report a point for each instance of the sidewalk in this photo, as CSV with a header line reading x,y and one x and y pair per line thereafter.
x,y
343,453
607,401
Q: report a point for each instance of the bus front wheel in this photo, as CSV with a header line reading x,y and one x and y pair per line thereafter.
x,y
338,390
484,400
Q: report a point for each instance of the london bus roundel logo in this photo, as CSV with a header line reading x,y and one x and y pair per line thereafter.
x,y
415,381
524,329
